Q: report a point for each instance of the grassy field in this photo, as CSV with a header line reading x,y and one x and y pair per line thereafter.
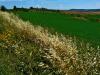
x,y
28,49
83,26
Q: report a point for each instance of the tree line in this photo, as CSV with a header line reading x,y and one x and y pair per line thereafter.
x,y
15,8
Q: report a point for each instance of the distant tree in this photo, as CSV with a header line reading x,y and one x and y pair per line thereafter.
x,y
31,7
3,8
43,9
14,8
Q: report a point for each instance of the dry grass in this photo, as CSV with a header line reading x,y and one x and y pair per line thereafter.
x,y
78,12
62,52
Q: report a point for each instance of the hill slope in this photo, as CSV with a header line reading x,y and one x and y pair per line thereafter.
x,y
32,50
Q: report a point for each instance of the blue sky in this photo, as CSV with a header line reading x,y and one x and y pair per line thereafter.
x,y
53,4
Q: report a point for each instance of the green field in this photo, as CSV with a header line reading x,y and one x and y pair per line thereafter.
x,y
82,26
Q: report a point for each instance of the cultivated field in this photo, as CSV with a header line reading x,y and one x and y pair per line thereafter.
x,y
82,26
29,49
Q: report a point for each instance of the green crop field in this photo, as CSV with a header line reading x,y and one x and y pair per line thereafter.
x,y
85,26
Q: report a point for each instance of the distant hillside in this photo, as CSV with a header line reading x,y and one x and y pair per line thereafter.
x,y
85,10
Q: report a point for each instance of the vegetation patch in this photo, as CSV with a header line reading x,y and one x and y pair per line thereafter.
x,y
26,49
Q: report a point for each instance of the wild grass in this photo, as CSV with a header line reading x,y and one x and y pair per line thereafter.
x,y
26,49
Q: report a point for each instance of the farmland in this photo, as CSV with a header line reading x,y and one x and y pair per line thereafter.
x,y
36,49
82,26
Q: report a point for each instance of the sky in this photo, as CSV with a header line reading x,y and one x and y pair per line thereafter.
x,y
53,4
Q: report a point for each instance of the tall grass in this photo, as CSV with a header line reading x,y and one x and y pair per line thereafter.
x,y
60,53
